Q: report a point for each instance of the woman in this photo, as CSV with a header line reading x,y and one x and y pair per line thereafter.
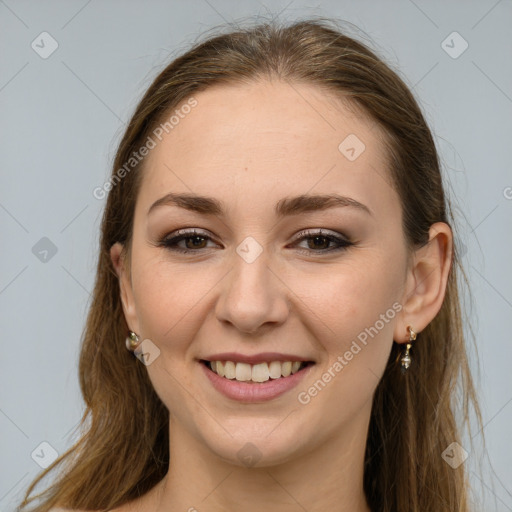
x,y
277,253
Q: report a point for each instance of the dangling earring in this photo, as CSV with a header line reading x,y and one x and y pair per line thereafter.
x,y
405,360
132,341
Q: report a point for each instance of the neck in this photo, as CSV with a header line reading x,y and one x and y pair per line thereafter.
x,y
327,477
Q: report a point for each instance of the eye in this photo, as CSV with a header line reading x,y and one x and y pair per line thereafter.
x,y
193,241
319,241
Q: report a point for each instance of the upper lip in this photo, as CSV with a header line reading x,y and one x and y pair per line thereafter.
x,y
262,357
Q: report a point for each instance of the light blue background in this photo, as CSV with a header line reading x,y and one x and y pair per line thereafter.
x,y
62,116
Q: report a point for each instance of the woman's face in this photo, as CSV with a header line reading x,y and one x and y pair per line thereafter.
x,y
258,281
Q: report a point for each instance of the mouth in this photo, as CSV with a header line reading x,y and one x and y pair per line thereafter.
x,y
256,373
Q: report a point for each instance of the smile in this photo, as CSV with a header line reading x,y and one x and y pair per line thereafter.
x,y
256,373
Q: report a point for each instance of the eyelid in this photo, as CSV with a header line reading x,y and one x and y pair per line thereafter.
x,y
171,240
321,232
188,232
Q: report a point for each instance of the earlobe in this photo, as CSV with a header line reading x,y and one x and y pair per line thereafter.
x,y
117,256
426,281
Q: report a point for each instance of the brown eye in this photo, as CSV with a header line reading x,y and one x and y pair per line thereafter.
x,y
186,241
194,242
322,242
319,242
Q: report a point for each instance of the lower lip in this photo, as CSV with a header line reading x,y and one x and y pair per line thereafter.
x,y
254,391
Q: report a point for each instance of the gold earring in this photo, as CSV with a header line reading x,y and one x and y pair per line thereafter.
x,y
406,360
132,341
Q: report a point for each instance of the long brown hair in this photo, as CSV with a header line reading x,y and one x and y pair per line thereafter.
x,y
124,448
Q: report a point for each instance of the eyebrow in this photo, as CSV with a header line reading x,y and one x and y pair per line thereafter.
x,y
284,207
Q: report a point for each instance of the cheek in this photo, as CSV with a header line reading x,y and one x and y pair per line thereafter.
x,y
355,314
353,296
170,301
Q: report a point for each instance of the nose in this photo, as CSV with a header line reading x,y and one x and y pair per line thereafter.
x,y
253,296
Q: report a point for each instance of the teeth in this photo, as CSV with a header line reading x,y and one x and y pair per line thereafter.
x,y
229,370
286,368
243,371
261,372
295,366
218,368
274,369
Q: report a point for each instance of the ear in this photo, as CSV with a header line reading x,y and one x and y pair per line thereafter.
x,y
118,257
426,282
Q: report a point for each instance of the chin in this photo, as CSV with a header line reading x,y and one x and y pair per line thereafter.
x,y
258,444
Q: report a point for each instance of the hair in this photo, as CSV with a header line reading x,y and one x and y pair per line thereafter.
x,y
123,450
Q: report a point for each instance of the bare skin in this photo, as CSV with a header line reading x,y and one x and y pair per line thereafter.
x,y
250,146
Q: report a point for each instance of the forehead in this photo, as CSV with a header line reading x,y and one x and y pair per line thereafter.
x,y
254,141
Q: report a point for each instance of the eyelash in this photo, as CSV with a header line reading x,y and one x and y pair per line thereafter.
x,y
170,243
